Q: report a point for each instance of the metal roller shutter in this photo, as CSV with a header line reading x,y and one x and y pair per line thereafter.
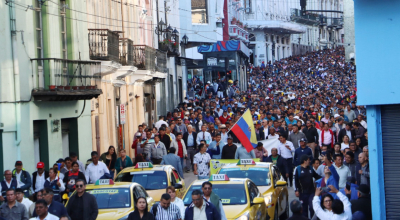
x,y
390,116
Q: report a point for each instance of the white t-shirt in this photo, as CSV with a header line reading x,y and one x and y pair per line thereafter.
x,y
344,146
94,172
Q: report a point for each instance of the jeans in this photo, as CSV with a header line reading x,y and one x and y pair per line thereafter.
x,y
307,198
182,159
202,177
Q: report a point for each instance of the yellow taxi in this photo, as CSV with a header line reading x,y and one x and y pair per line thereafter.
x,y
154,178
269,181
241,199
116,200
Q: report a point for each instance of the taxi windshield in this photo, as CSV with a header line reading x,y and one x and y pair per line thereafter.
x,y
150,180
260,176
110,198
230,194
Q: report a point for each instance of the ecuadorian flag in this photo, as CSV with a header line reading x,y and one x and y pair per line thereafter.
x,y
245,131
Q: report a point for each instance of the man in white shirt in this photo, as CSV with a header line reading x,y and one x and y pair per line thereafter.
x,y
272,134
224,134
42,211
265,129
204,135
160,122
96,169
39,177
343,171
20,198
285,149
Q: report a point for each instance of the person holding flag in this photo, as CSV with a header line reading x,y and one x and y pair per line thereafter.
x,y
55,184
246,133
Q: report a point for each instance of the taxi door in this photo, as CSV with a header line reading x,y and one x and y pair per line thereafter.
x,y
279,195
175,178
257,211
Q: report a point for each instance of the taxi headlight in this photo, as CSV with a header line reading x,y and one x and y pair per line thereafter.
x,y
268,198
245,216
124,218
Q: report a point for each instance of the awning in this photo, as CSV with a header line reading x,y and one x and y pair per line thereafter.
x,y
283,27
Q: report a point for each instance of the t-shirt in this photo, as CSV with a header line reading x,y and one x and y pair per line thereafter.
x,y
274,159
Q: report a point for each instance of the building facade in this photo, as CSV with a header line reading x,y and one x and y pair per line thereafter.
x,y
47,82
377,89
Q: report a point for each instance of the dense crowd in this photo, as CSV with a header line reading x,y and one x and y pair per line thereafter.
x,y
306,102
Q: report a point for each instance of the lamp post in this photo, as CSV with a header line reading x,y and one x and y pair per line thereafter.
x,y
184,42
299,45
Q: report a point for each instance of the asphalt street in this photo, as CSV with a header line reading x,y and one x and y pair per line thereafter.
x,y
190,177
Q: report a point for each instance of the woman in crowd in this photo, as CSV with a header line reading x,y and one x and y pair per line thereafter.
x,y
141,211
72,176
110,158
53,182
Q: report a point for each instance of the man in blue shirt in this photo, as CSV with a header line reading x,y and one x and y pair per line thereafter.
x,y
216,146
54,207
302,150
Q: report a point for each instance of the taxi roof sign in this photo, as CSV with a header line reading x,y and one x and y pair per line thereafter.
x,y
104,182
246,162
219,177
141,165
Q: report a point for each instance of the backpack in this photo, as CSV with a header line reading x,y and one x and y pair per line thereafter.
x,y
154,209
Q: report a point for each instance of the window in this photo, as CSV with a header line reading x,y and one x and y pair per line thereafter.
x,y
111,198
63,29
247,6
199,12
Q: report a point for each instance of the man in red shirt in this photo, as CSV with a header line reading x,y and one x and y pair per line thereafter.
x,y
224,117
180,147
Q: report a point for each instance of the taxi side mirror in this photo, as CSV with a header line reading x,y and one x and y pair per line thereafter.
x,y
178,186
258,200
280,183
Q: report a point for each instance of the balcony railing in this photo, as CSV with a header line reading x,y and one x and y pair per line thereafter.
x,y
59,79
126,49
308,18
148,58
103,45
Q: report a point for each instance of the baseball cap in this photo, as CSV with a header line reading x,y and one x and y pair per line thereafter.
x,y
222,126
303,139
230,137
18,163
336,115
139,135
40,165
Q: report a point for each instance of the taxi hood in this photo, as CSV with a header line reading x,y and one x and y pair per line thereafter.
x,y
234,211
107,214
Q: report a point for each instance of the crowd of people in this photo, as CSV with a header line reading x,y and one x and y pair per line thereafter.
x,y
306,102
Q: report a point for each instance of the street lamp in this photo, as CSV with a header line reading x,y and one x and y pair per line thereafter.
x,y
175,35
162,26
185,39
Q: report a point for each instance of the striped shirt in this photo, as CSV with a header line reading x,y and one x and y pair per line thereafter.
x,y
172,213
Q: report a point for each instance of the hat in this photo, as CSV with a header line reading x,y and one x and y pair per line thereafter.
x,y
303,139
60,160
18,163
189,108
222,126
363,188
336,115
208,82
296,117
138,135
236,103
40,165
230,137
313,113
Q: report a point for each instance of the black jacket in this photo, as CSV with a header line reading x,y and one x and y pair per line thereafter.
x,y
362,204
166,140
280,163
90,209
185,138
34,175
298,216
262,134
342,133
311,134
358,175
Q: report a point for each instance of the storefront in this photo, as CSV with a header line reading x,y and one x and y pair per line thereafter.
x,y
225,59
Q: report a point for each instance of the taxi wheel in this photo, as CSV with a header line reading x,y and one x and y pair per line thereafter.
x,y
286,214
276,214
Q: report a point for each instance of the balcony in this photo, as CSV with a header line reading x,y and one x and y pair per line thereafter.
x,y
335,23
148,58
104,45
171,48
65,80
307,19
126,49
